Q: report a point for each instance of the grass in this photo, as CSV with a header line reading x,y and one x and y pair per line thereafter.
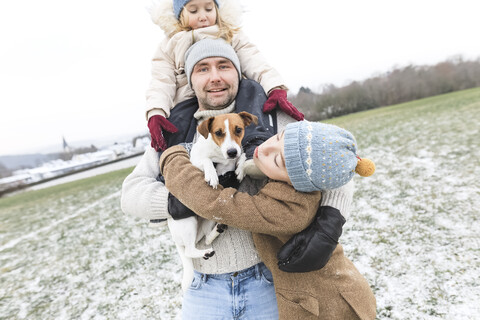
x,y
23,212
68,251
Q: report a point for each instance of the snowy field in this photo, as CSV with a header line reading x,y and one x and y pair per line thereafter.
x,y
68,252
414,229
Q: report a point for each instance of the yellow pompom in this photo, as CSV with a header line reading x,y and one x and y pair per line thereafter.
x,y
365,167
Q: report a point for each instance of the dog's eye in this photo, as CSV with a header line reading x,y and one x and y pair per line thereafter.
x,y
238,130
219,133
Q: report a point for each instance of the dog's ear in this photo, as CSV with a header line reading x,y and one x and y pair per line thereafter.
x,y
204,127
248,118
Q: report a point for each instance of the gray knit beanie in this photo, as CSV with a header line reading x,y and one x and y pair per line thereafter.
x,y
208,48
179,4
319,156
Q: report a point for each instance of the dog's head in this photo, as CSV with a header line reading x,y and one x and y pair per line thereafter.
x,y
227,131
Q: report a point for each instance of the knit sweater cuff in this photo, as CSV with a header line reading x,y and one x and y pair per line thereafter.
x,y
159,204
202,115
340,198
156,111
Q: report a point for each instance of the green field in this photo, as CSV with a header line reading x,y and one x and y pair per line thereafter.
x,y
68,252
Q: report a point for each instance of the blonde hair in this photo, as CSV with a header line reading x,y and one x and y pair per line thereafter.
x,y
225,30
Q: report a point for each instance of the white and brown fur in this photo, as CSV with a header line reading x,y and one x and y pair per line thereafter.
x,y
219,140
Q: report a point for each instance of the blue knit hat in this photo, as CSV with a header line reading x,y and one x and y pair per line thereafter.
x,y
179,4
319,156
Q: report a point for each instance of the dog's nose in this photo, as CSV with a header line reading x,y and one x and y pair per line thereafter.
x,y
232,153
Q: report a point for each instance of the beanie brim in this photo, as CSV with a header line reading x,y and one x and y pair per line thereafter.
x,y
209,48
296,170
179,4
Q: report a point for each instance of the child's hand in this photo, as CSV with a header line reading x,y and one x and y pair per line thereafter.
x,y
279,97
311,249
156,124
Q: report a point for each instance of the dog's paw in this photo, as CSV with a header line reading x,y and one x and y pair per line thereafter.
x,y
240,170
252,170
213,182
211,178
240,174
221,227
210,253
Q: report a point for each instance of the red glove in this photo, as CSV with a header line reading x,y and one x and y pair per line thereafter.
x,y
156,124
279,97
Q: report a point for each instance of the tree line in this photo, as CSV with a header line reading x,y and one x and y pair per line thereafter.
x,y
393,87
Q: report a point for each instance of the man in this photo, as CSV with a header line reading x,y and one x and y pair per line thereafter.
x,y
214,73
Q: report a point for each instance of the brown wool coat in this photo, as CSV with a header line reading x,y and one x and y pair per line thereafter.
x,y
338,291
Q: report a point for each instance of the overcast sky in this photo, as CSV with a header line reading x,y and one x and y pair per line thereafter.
x,y
80,69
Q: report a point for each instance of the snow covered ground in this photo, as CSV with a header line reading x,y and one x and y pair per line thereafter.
x,y
78,257
413,232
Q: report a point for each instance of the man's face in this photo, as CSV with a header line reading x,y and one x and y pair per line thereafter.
x,y
215,82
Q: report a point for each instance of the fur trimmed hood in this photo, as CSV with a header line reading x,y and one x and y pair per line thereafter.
x,y
161,12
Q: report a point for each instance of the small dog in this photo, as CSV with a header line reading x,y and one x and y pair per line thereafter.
x,y
219,141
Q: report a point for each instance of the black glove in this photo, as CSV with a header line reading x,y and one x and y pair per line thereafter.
x,y
179,211
311,249
229,180
250,145
176,209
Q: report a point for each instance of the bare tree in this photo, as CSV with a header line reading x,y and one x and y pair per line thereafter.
x,y
395,86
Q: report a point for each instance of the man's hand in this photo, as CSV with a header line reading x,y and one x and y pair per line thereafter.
x,y
278,98
156,124
311,249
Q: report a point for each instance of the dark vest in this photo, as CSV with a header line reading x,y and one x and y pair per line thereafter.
x,y
250,98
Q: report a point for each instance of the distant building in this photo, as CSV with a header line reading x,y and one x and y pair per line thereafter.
x,y
59,167
14,181
141,143
66,147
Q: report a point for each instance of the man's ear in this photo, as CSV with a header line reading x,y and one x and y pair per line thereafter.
x,y
248,118
204,127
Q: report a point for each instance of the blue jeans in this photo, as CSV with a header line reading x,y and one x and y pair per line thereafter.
x,y
246,294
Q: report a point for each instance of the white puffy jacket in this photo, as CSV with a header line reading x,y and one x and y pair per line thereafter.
x,y
169,84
